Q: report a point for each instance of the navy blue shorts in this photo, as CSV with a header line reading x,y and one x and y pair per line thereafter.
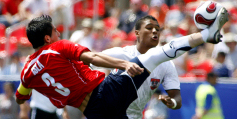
x,y
112,97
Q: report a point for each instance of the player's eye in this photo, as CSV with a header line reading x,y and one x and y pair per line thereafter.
x,y
157,28
149,28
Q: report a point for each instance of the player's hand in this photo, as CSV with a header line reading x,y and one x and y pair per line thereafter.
x,y
133,69
166,100
65,115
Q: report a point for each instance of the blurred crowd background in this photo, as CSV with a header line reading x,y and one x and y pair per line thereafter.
x,y
103,24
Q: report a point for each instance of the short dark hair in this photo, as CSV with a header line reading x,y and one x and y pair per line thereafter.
x,y
222,54
38,28
211,75
140,21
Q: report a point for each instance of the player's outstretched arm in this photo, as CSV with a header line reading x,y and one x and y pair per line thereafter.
x,y
102,60
22,93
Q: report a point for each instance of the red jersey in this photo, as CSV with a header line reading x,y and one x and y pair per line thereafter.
x,y
56,72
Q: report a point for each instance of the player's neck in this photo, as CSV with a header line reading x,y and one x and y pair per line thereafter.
x,y
39,48
142,49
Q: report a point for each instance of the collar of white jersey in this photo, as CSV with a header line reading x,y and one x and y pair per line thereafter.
x,y
136,51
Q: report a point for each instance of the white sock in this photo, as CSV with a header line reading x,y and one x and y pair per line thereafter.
x,y
205,34
155,56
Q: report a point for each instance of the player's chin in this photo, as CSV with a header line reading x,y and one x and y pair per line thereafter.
x,y
154,42
153,45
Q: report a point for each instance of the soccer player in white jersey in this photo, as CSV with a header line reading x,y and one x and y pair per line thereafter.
x,y
164,74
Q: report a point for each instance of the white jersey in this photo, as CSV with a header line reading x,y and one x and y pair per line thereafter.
x,y
42,102
165,73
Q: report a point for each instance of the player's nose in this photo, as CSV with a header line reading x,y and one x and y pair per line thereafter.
x,y
154,30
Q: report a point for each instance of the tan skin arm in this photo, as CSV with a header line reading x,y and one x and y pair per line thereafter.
x,y
65,113
102,60
19,101
24,110
166,99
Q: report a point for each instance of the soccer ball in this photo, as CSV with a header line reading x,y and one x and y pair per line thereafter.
x,y
206,13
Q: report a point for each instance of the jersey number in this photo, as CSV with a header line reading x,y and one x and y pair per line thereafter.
x,y
59,88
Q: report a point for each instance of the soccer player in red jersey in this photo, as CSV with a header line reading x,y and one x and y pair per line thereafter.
x,y
59,69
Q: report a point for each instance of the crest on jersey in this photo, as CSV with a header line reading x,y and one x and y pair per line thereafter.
x,y
154,83
115,71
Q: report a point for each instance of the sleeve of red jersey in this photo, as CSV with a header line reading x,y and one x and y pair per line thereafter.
x,y
22,97
71,50
23,93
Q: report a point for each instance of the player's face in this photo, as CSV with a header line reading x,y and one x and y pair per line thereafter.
x,y
149,33
213,81
55,35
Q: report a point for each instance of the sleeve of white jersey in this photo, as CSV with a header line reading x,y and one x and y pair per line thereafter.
x,y
116,52
171,79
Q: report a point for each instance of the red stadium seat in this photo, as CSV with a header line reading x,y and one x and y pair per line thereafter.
x,y
86,8
12,47
77,9
60,27
19,36
3,53
121,34
110,23
131,36
2,38
2,30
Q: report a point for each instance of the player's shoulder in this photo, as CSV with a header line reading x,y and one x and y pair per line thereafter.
x,y
119,49
112,50
165,69
129,48
167,64
62,42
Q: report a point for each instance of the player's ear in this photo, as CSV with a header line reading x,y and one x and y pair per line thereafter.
x,y
47,39
137,33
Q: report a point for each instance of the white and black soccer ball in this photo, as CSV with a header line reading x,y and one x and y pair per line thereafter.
x,y
206,13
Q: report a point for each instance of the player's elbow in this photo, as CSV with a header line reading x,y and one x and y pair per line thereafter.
x,y
88,57
19,101
179,104
94,59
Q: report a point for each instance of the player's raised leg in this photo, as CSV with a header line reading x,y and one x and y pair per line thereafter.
x,y
175,48
178,46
